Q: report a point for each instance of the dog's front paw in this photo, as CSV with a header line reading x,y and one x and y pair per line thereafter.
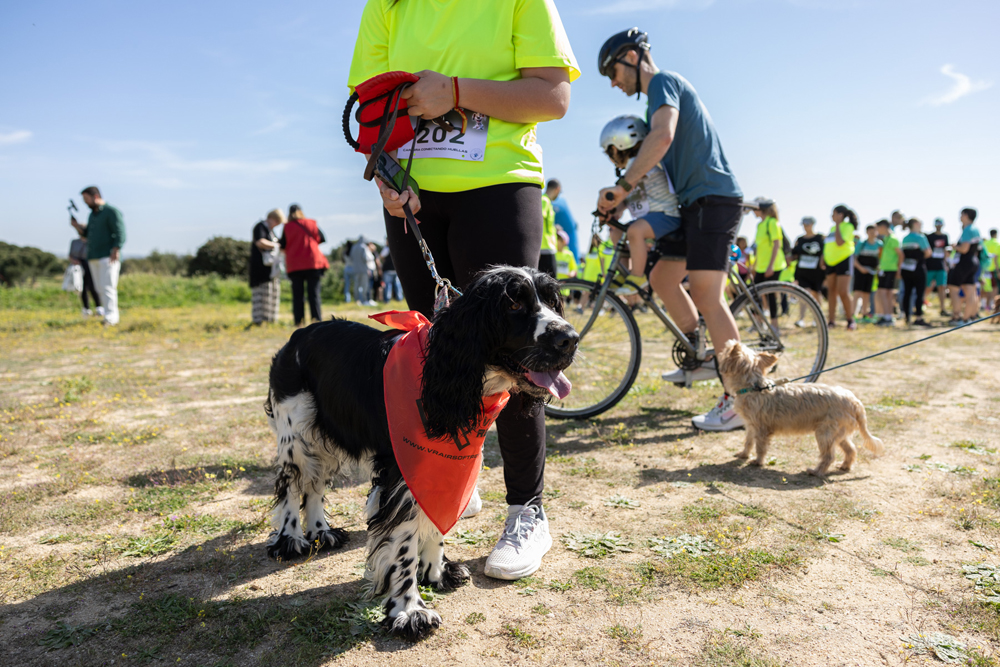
x,y
743,455
846,467
282,546
816,472
453,576
332,538
413,625
756,462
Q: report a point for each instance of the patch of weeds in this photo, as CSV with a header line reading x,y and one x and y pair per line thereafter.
x,y
74,388
625,634
722,569
703,512
919,561
752,512
363,618
620,435
972,447
65,635
987,581
560,586
493,496
824,536
862,512
143,546
621,502
901,544
577,504
897,402
560,459
588,468
693,545
204,524
468,538
981,545
958,470
720,650
596,545
519,637
429,594
118,436
749,631
593,578
541,609
879,572
59,539
475,617
527,585
912,467
553,493
943,647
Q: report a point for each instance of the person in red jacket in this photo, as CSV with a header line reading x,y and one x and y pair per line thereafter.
x,y
305,262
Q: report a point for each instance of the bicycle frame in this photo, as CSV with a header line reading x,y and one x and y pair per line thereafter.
x,y
754,309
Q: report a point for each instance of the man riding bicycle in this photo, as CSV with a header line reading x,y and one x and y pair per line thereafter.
x,y
683,139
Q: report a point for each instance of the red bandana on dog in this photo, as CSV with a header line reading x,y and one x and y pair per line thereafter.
x,y
440,473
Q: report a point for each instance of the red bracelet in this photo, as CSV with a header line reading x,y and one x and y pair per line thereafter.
x,y
454,90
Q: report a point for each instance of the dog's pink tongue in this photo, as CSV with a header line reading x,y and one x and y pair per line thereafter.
x,y
555,381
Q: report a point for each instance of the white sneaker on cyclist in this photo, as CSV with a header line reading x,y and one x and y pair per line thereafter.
x,y
475,505
704,372
720,418
631,286
524,541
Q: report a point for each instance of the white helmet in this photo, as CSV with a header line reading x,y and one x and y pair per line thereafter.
x,y
623,133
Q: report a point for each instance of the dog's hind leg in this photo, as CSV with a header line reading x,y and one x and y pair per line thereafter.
x,y
747,445
393,560
294,470
828,434
435,568
761,440
850,453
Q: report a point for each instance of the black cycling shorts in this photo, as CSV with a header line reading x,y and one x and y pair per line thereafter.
x,y
710,225
842,269
812,279
886,280
863,282
963,274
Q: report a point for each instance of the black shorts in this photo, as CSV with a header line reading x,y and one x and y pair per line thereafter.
x,y
547,263
710,225
886,280
842,269
812,279
863,282
963,274
672,246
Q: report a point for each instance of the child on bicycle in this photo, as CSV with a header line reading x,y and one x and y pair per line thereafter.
x,y
652,202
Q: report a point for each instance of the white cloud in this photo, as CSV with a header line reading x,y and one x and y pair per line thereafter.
x,y
963,86
279,124
162,157
647,5
17,137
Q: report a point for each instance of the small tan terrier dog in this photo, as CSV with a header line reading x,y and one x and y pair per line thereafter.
x,y
832,413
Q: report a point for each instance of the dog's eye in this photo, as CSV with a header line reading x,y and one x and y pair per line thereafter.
x,y
514,305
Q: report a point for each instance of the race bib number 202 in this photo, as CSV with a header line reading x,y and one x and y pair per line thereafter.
x,y
435,141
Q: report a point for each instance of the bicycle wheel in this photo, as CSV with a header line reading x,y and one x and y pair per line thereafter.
x,y
794,328
607,359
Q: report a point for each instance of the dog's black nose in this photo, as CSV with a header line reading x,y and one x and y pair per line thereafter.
x,y
566,341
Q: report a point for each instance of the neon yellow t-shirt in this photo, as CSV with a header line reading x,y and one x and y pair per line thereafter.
x,y
834,254
548,225
565,263
769,231
479,40
598,261
993,248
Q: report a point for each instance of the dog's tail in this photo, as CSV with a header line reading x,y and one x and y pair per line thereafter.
x,y
871,443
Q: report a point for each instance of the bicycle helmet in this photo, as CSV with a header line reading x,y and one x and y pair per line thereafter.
x,y
623,133
611,52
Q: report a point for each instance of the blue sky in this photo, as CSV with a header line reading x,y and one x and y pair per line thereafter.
x,y
197,118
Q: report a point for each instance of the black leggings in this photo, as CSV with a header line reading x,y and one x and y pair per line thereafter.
x,y
772,301
88,286
914,284
311,279
466,232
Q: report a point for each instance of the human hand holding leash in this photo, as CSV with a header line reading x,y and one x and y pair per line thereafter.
x,y
394,201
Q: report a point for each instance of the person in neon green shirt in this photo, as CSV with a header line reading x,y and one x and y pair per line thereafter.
x,y
838,254
769,260
990,275
508,64
565,262
889,263
547,259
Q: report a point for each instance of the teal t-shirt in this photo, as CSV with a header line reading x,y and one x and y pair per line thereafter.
x,y
695,161
914,241
867,253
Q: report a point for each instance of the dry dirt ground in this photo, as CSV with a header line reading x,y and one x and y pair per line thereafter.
x,y
135,481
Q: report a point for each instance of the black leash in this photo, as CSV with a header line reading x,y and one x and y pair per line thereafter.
x,y
771,385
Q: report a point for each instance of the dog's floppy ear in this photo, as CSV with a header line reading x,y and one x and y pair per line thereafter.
x,y
547,289
460,342
766,361
728,356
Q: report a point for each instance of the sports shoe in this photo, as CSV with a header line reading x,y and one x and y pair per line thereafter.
x,y
704,372
631,286
100,311
475,505
801,324
920,322
524,541
87,312
720,418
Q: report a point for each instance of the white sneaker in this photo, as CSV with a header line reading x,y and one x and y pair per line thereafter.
x,y
524,541
704,372
720,418
100,311
631,286
801,324
475,505
87,312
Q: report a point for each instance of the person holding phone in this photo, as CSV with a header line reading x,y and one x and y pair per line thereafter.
x,y
105,234
508,64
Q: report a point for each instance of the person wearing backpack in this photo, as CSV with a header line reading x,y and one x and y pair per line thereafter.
x,y
770,242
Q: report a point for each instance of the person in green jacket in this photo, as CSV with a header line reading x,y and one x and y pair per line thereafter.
x,y
105,234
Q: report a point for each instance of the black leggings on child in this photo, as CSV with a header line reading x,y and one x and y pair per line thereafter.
x,y
914,284
309,278
88,286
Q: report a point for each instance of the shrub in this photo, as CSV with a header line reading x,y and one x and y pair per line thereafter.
x,y
160,263
222,255
19,265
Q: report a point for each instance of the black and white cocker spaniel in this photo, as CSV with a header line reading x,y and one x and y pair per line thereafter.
x,y
326,408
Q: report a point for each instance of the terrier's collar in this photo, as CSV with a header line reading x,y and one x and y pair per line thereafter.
x,y
760,387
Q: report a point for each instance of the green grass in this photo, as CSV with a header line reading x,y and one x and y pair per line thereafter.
x,y
596,545
593,578
722,651
703,512
726,569
519,637
901,544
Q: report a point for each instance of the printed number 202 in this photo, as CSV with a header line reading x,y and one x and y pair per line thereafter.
x,y
438,138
